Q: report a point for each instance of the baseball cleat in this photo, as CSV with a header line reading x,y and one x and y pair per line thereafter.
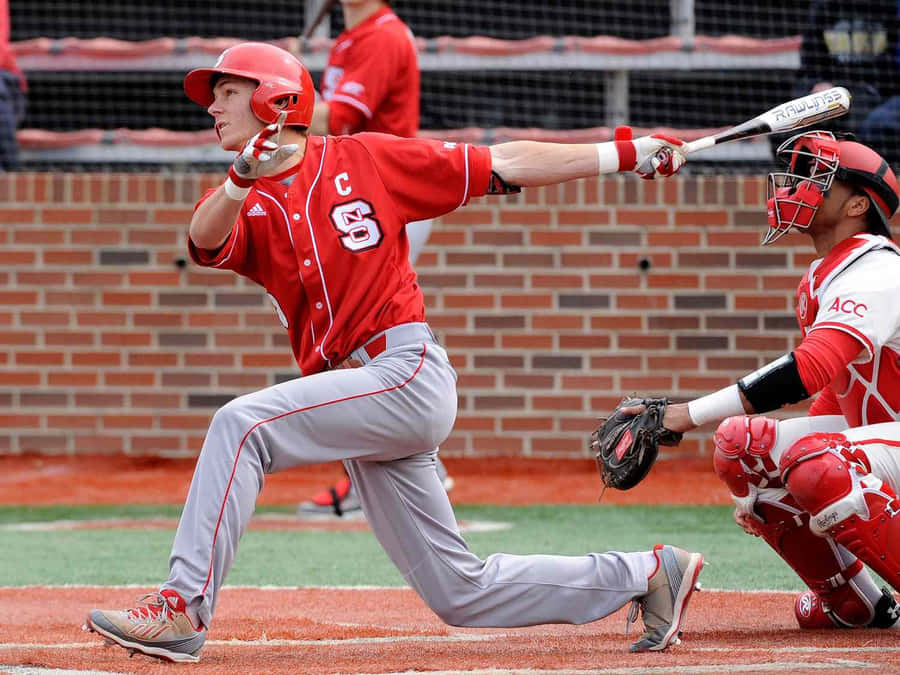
x,y
665,603
157,627
338,501
342,501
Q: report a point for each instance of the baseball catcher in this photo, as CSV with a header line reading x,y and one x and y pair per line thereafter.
x,y
627,443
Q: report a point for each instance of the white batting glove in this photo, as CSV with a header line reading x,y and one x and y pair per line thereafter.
x,y
263,153
649,156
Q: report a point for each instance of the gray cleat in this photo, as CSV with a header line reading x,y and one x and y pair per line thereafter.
x,y
158,627
665,603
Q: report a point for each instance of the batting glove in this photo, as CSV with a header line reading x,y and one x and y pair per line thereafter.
x,y
263,153
649,156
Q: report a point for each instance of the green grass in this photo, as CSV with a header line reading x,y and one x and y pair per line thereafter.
x,y
131,556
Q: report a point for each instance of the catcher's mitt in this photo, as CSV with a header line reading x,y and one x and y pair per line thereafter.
x,y
626,445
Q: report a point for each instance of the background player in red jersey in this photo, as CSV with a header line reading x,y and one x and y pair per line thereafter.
x,y
319,223
362,93
821,490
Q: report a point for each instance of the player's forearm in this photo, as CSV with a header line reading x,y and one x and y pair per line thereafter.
x,y
318,126
214,219
529,163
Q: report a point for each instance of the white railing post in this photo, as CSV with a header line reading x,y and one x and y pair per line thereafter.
x,y
616,98
683,24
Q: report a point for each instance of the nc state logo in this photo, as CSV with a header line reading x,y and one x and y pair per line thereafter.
x,y
805,605
803,305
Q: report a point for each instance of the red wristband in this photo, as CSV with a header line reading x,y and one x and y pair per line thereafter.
x,y
627,155
237,180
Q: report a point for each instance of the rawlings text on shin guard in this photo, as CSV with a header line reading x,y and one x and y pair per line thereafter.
x,y
742,461
832,480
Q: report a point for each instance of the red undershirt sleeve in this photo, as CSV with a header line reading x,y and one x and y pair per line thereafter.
x,y
826,403
822,354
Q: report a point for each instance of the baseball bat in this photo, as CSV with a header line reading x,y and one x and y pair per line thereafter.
x,y
323,11
795,114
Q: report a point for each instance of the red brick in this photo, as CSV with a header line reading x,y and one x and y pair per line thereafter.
x,y
559,402
589,217
685,218
243,381
11,257
17,216
67,216
132,378
72,379
511,216
528,300
526,423
557,281
173,217
526,341
155,237
673,239
41,358
556,238
762,302
469,300
67,257
97,359
642,216
20,421
674,281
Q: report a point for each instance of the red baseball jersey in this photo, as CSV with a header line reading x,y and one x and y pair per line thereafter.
x,y
856,289
327,238
371,82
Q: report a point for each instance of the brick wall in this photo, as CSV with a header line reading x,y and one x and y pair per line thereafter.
x,y
551,303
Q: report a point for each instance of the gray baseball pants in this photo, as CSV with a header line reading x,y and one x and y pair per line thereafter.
x,y
384,420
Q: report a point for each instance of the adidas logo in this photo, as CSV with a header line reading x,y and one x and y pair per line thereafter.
x,y
257,210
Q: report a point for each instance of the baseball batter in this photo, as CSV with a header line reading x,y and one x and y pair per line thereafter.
x,y
821,490
361,93
319,223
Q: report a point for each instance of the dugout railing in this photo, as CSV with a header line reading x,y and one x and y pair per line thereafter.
x,y
605,67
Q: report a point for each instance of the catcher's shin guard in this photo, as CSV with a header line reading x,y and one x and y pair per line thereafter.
x,y
837,579
839,585
832,480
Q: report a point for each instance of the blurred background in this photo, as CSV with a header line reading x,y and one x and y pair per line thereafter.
x,y
690,65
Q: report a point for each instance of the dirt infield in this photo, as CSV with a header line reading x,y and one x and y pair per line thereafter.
x,y
319,631
99,479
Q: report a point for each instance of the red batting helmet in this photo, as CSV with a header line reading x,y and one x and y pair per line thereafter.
x,y
277,73
814,160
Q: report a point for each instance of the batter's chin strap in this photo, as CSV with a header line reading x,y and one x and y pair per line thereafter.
x,y
498,186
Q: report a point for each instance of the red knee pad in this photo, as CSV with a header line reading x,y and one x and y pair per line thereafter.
x,y
815,472
741,458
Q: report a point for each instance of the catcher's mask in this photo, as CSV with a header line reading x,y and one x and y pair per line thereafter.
x,y
278,74
813,161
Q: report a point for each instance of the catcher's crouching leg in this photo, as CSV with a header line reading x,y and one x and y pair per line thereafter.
x,y
842,592
832,480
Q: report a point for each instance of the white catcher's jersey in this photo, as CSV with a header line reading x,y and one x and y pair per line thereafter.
x,y
856,289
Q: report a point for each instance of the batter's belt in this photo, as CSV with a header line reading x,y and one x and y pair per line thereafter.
x,y
403,334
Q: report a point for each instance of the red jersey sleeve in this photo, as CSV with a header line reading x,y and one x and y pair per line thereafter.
x,y
428,178
232,254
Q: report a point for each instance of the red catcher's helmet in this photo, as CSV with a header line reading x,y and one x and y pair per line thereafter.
x,y
814,160
277,73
